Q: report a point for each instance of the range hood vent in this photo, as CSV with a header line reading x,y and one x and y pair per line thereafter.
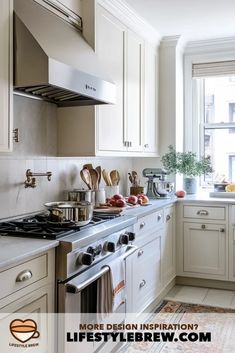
x,y
53,62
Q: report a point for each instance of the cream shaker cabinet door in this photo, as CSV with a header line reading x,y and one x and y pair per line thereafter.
x,y
150,116
110,48
144,275
134,91
6,10
169,246
205,250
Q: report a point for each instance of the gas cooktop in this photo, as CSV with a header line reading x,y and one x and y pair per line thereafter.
x,y
40,226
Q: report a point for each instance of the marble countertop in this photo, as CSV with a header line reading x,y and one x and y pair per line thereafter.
x,y
14,249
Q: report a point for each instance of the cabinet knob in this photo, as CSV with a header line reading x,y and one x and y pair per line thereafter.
x,y
159,217
168,217
222,230
146,145
142,225
24,276
203,226
202,213
142,283
140,252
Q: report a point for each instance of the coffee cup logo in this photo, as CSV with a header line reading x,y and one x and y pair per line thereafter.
x,y
24,330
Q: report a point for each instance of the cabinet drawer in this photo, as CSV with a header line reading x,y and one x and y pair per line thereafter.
x,y
23,275
204,212
149,222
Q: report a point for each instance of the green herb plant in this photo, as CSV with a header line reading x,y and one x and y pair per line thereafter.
x,y
185,163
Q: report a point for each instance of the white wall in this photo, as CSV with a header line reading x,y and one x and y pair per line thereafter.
x,y
36,150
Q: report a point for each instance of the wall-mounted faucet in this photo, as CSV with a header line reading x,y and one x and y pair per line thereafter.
x,y
30,181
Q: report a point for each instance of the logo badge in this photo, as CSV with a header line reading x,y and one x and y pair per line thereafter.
x,y
24,330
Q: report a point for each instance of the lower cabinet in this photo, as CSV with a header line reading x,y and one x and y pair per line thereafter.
x,y
144,275
169,246
202,242
28,294
205,249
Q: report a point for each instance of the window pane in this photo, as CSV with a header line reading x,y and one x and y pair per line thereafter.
x,y
219,99
219,144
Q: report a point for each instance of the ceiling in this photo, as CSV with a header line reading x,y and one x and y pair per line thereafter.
x,y
193,19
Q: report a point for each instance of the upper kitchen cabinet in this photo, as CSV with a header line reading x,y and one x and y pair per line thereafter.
x,y
110,48
150,121
6,10
133,112
129,127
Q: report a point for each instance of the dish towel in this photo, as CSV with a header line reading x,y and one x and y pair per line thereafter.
x,y
110,287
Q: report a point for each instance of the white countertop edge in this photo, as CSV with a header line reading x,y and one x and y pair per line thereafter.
x,y
16,254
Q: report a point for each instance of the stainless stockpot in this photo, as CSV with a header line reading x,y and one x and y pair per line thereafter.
x,y
80,195
79,212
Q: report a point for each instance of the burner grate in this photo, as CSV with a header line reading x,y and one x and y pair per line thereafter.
x,y
40,226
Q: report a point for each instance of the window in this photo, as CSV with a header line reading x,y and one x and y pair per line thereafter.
x,y
217,121
232,115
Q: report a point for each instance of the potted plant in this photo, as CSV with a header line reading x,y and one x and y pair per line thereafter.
x,y
188,164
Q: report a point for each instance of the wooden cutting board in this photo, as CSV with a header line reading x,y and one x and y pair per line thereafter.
x,y
110,210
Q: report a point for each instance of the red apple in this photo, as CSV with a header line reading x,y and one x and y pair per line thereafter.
x,y
144,199
132,199
180,193
117,197
140,201
121,203
112,202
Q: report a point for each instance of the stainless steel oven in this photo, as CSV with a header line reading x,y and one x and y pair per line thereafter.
x,y
79,294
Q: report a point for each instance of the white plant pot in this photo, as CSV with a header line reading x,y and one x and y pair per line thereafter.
x,y
190,185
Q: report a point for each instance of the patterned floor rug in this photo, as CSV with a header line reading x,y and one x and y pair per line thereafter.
x,y
220,322
178,307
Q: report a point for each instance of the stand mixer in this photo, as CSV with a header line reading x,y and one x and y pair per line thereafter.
x,y
157,186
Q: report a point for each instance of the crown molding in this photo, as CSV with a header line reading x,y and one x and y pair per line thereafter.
x,y
176,42
127,15
210,45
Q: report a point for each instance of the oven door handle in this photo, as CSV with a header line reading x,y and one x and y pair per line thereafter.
x,y
74,289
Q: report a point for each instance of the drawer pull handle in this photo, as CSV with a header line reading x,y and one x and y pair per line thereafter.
x,y
142,224
24,276
168,217
142,283
159,217
202,213
140,252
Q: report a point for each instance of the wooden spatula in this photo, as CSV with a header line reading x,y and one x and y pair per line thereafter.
x,y
114,176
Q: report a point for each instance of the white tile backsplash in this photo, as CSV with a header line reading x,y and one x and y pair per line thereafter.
x,y
36,150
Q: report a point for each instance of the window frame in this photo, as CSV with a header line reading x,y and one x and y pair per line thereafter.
x,y
193,98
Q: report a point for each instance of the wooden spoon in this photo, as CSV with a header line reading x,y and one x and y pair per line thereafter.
x,y
106,178
114,177
88,166
118,177
86,177
99,171
94,178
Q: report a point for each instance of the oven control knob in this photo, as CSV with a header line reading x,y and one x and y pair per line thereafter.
x,y
109,246
131,236
124,239
85,258
94,250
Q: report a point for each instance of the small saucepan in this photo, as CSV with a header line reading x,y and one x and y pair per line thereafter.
x,y
78,212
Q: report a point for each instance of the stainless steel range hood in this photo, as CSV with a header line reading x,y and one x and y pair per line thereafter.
x,y
52,61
